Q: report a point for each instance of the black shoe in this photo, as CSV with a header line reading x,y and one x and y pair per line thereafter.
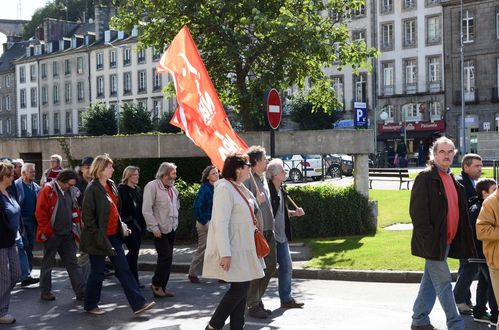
x,y
257,313
268,311
423,327
30,280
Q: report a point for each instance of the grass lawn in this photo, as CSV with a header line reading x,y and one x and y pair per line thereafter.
x,y
393,206
388,250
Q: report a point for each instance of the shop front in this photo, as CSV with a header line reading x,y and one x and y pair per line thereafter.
x,y
418,137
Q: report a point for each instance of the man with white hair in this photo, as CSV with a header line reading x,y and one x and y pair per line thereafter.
x,y
439,213
55,167
27,193
275,175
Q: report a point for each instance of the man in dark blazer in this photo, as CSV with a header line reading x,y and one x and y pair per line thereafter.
x,y
439,213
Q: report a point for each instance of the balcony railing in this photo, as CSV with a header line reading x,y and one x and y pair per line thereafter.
x,y
388,90
411,88
469,97
434,86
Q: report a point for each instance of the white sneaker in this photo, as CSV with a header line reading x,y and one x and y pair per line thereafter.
x,y
464,309
7,319
145,307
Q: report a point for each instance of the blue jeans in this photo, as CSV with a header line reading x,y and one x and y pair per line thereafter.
x,y
285,271
29,238
436,281
23,259
123,273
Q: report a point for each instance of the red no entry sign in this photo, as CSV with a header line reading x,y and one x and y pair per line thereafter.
x,y
274,108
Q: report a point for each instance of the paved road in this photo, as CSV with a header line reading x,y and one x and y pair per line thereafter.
x,y
334,305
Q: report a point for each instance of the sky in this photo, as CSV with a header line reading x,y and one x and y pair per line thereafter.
x,y
10,11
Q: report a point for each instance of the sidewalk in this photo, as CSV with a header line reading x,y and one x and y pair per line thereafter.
x,y
182,256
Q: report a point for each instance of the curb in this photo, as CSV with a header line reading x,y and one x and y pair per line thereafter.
x,y
306,273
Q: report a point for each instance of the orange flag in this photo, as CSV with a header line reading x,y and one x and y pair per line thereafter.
x,y
200,113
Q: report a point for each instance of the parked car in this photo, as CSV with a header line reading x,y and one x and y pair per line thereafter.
x,y
338,165
299,166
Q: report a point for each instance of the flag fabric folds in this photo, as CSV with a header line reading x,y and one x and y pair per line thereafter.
x,y
200,113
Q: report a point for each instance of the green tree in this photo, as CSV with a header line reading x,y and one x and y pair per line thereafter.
x,y
163,124
100,120
249,46
302,114
135,119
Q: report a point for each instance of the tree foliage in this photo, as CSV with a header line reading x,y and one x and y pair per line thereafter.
x,y
163,124
135,119
100,120
249,46
302,114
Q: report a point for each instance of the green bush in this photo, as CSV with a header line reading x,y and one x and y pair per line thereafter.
x,y
330,212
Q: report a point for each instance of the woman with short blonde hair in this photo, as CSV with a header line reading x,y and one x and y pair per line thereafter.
x,y
99,165
128,172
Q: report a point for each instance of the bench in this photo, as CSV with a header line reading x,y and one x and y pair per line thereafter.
x,y
389,174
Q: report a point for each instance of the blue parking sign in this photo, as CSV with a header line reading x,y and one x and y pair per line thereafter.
x,y
360,115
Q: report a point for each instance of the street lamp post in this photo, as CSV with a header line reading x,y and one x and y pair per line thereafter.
x,y
117,86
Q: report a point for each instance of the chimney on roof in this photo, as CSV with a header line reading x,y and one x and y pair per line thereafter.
x,y
103,15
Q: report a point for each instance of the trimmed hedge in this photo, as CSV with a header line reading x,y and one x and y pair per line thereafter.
x,y
329,212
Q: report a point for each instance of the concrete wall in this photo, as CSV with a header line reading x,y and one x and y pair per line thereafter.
x,y
488,145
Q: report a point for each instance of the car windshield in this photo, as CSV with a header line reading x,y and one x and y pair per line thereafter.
x,y
311,156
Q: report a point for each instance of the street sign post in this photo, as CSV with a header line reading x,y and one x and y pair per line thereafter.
x,y
273,106
360,115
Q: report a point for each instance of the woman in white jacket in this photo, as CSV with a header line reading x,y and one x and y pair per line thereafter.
x,y
230,251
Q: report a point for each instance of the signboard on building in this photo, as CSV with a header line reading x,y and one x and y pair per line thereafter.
x,y
437,125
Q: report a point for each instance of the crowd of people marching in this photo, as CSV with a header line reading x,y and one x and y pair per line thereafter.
x,y
84,217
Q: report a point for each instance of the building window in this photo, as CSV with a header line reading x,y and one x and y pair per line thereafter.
x,y
386,6
79,65
409,4
113,84
359,35
44,70
33,97
69,122
22,98
432,2
80,86
434,73
359,12
157,111
411,75
112,58
337,84
7,103
142,81
67,67
32,72
34,124
469,81
360,83
7,80
45,123
8,126
127,55
388,78
80,121
44,95
390,111
387,36
24,125
410,112
468,27
68,93
1,126
56,94
409,33
100,86
22,74
156,55
433,29
100,61
141,56
156,80
55,69
435,111
1,104
127,82
497,23
56,123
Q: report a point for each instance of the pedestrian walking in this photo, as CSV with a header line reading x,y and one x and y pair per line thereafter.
x,y
58,217
276,176
27,193
230,249
439,213
102,236
203,204
259,187
10,215
131,214
160,209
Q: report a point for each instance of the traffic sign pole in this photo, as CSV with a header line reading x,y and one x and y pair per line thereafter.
x,y
273,106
